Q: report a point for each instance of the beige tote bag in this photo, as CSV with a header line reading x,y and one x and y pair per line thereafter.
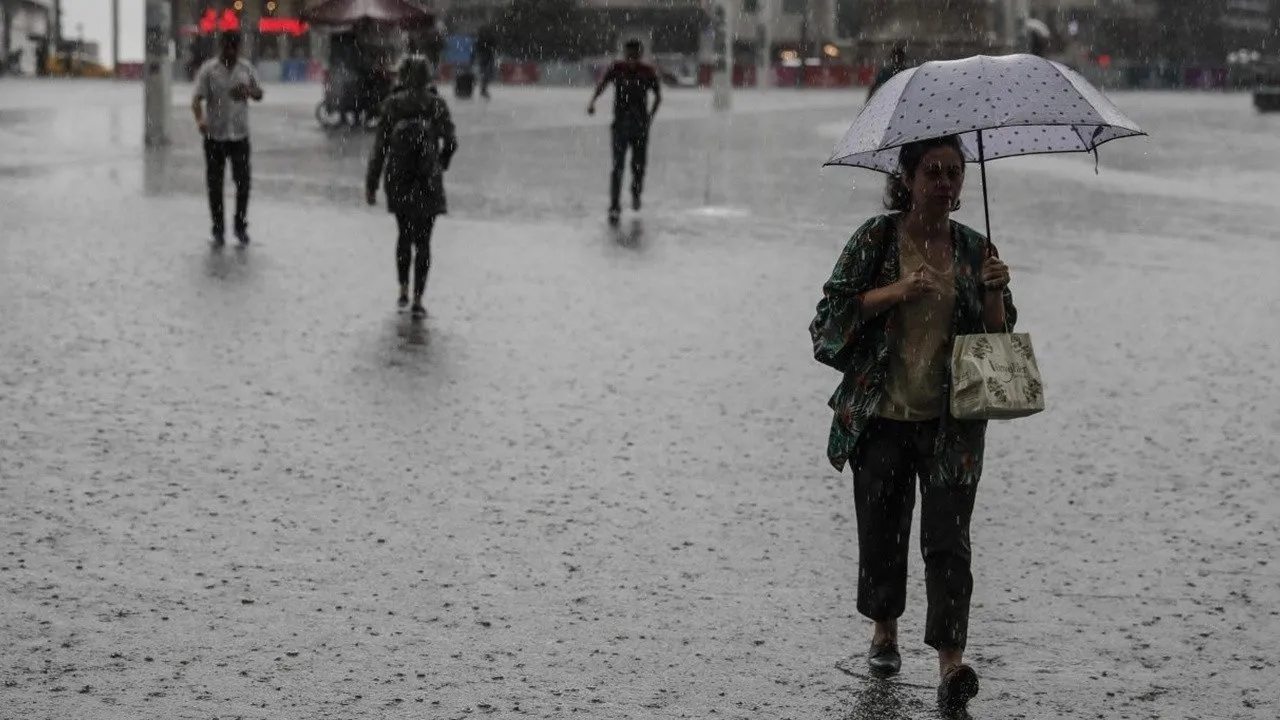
x,y
995,377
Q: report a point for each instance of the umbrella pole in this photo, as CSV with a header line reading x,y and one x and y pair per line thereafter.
x,y
982,164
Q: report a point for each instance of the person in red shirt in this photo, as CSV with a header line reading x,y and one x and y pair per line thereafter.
x,y
633,80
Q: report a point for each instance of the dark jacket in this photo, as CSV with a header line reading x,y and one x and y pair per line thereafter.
x,y
424,195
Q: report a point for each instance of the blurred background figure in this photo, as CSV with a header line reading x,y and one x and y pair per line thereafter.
x,y
633,80
486,54
897,63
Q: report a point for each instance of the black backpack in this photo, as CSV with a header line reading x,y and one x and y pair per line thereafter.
x,y
413,151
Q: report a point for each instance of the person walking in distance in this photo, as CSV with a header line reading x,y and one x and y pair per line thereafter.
x,y
415,143
486,55
633,80
224,86
897,63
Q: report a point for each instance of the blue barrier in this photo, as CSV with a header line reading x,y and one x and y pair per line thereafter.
x,y
293,71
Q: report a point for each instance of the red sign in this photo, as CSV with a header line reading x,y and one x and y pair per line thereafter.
x,y
230,20
290,26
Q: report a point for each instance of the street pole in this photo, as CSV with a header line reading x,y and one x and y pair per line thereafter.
x,y
722,79
56,51
157,71
764,69
115,37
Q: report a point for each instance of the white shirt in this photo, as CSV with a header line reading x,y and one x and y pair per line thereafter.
x,y
226,118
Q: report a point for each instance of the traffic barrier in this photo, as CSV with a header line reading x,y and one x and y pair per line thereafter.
x,y
293,71
813,76
786,76
518,73
129,71
743,75
828,76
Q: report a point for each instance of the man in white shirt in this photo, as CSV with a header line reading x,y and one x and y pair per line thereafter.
x,y
224,86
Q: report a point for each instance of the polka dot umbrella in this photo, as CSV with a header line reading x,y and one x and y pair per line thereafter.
x,y
999,106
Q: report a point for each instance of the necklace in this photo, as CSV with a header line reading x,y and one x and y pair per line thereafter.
x,y
922,249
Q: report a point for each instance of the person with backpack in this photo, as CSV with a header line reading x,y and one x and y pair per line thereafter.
x,y
415,144
633,80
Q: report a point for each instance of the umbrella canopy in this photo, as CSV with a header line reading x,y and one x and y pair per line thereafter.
x,y
1000,106
347,12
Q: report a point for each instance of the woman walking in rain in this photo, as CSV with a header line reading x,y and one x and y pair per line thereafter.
x,y
904,286
416,142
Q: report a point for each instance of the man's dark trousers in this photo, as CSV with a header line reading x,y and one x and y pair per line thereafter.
x,y
633,137
216,155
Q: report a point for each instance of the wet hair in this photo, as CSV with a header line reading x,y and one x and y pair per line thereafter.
x,y
898,53
415,73
633,47
230,38
897,191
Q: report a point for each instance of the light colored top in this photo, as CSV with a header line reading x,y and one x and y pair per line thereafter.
x,y
227,118
918,351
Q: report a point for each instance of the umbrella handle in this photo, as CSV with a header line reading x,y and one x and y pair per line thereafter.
x,y
986,207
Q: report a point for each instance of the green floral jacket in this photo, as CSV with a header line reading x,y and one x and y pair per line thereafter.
x,y
860,349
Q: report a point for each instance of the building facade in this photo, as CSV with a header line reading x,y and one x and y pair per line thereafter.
x,y
681,26
26,28
1198,32
934,29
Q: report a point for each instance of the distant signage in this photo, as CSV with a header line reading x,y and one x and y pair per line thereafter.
x,y
229,20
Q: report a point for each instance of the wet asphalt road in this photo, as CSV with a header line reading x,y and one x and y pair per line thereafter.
x,y
592,483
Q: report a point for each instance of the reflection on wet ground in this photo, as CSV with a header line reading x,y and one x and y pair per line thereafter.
x,y
591,482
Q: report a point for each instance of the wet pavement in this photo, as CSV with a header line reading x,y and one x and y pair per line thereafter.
x,y
239,484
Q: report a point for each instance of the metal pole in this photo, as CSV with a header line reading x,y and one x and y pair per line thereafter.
x,y
115,37
764,72
722,77
982,165
729,30
1007,18
56,51
157,74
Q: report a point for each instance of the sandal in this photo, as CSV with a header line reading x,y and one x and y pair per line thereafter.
x,y
959,685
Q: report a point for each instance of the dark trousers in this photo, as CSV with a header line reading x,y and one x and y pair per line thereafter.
x,y
486,77
414,245
890,456
216,155
635,139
